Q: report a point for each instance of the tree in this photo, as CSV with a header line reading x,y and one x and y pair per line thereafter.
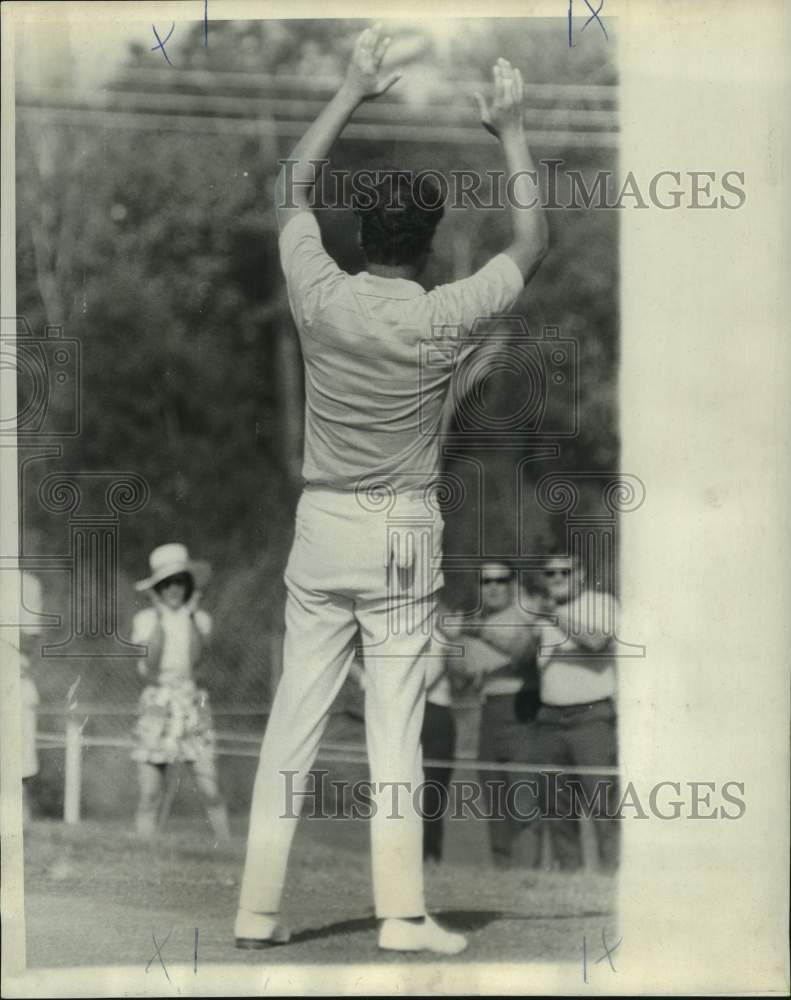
x,y
155,247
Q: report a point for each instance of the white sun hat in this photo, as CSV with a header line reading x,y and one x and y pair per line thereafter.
x,y
168,560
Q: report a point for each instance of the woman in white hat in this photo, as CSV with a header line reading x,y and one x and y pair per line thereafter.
x,y
175,723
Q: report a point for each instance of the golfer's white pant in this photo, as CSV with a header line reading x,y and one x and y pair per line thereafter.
x,y
353,566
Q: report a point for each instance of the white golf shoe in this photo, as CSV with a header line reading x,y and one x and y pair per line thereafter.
x,y
405,935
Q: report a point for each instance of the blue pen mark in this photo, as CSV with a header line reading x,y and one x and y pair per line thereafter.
x,y
161,44
205,24
594,17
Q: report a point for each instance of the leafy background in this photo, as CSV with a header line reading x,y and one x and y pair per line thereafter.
x,y
155,249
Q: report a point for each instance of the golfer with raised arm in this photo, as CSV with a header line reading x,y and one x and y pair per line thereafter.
x,y
370,462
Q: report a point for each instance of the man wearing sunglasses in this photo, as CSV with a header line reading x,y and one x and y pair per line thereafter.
x,y
576,723
500,659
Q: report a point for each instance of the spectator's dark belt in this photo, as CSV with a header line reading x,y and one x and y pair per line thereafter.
x,y
562,712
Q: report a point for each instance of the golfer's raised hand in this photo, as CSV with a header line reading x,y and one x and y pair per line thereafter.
x,y
364,79
506,112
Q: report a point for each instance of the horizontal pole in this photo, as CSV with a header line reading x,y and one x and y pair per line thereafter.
x,y
175,102
101,709
329,84
422,134
359,757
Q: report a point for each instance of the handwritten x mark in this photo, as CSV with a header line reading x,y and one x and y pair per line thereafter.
x,y
161,44
158,953
608,952
595,17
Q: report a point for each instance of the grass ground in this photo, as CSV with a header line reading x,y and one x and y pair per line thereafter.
x,y
95,895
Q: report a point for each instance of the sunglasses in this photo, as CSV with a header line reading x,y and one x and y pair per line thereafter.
x,y
549,573
495,579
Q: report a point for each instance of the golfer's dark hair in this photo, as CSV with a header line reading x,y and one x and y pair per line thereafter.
x,y
398,217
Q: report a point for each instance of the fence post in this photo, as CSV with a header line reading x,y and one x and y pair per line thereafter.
x,y
73,770
589,843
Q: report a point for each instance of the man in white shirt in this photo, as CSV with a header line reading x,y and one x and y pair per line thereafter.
x,y
576,723
373,412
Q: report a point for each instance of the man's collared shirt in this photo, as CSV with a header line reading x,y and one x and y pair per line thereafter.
x,y
376,375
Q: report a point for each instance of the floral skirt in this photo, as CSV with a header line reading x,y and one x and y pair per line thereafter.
x,y
174,724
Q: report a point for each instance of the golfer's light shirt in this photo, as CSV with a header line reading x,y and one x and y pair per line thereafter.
x,y
375,380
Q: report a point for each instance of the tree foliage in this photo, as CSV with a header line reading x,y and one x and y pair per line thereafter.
x,y
156,250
